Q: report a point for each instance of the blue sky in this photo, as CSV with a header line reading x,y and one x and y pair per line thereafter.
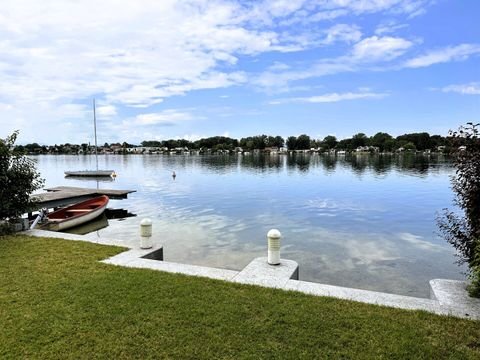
x,y
192,69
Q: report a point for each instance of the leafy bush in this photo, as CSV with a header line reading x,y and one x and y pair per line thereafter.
x,y
462,230
18,179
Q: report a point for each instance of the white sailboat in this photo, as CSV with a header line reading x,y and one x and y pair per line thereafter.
x,y
97,172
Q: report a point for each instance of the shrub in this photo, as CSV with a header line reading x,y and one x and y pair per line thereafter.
x,y
18,179
462,228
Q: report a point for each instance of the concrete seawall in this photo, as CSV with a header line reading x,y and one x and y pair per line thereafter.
x,y
448,297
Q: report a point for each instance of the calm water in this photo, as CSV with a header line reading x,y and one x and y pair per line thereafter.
x,y
365,221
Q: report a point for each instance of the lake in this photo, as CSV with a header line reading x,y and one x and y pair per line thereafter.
x,y
362,221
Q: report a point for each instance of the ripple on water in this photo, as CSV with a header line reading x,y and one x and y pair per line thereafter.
x,y
365,222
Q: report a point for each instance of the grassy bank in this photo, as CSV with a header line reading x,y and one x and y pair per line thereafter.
x,y
58,301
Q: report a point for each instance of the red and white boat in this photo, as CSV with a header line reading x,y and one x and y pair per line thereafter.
x,y
77,214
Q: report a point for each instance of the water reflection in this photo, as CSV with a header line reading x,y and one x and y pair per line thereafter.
x,y
97,179
99,223
417,164
365,221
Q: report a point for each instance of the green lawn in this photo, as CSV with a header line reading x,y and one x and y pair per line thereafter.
x,y
58,301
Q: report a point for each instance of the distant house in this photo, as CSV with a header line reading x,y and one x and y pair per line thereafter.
x,y
143,150
116,148
367,149
271,149
179,150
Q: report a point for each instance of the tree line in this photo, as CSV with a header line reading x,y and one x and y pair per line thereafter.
x,y
381,141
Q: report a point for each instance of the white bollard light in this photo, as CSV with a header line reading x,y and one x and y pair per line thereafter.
x,y
146,234
274,237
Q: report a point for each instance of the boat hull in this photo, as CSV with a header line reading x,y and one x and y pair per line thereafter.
x,y
77,214
90,173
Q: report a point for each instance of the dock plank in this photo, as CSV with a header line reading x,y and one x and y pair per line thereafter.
x,y
64,195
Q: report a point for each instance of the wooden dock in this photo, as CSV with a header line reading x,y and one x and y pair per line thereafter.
x,y
65,195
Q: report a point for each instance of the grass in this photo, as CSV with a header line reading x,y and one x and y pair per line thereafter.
x,y
58,301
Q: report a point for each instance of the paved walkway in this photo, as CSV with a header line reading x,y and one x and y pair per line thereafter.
x,y
448,297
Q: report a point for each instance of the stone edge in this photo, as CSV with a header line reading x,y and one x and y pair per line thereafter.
x,y
446,299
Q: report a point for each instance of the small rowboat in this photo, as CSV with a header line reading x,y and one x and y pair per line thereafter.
x,y
77,214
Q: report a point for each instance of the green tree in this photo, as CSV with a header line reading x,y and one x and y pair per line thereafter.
x,y
389,145
345,144
409,146
359,139
330,142
303,142
279,141
420,140
315,143
276,141
212,142
437,140
463,230
151,143
292,143
33,148
18,179
20,149
382,140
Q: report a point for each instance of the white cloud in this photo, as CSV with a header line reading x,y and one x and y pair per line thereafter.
x,y
367,54
56,54
128,53
331,97
464,89
380,48
328,15
190,137
106,110
447,54
419,242
278,66
389,27
166,117
360,6
150,126
325,10
68,111
363,54
342,32
278,81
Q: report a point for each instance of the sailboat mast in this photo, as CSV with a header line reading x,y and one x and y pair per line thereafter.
x,y
95,130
